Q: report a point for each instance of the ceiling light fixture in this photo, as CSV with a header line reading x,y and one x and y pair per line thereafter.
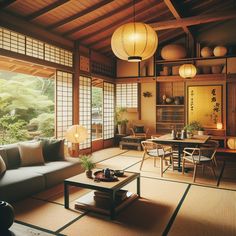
x,y
135,41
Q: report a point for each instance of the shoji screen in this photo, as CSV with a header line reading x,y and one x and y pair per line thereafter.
x,y
108,110
64,102
85,106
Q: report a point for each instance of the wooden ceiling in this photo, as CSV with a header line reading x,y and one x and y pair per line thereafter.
x,y
92,22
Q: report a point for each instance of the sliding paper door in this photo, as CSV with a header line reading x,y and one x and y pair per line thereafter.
x,y
108,110
85,107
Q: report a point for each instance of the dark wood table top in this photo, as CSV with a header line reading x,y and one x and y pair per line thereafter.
x,y
197,139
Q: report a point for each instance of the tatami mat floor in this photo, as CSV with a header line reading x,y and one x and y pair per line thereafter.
x,y
171,205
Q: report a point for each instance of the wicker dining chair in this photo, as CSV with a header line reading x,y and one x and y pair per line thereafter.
x,y
151,149
204,156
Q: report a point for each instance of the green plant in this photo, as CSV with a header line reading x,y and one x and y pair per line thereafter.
x,y
194,126
119,120
87,162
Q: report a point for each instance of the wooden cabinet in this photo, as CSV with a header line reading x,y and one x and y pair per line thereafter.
x,y
170,112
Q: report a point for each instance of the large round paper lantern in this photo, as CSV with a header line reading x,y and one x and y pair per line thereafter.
x,y
187,71
173,52
134,42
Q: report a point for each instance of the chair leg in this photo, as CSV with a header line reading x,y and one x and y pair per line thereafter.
x,y
212,168
194,172
161,167
215,162
183,163
155,161
172,162
203,169
142,161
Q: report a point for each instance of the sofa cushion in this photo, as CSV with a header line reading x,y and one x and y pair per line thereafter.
x,y
2,166
19,183
31,153
139,129
55,172
53,149
3,154
12,156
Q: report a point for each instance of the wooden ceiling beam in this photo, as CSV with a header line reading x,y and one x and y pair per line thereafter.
x,y
173,9
46,9
195,20
6,3
80,14
108,14
148,18
119,22
20,25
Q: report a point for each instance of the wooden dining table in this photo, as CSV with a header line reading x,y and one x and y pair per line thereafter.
x,y
195,141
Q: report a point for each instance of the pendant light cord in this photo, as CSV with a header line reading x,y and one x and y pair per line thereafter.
x,y
134,9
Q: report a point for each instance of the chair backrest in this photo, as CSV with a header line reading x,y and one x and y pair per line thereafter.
x,y
149,145
209,148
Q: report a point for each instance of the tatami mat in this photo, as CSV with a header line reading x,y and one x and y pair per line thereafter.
x,y
228,179
206,211
118,162
133,153
149,170
146,216
43,214
106,153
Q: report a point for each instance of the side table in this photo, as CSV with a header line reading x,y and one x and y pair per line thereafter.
x,y
131,141
118,138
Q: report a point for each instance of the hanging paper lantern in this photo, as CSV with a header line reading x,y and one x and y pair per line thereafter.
x,y
134,42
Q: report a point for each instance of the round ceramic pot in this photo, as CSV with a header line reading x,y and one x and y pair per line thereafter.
x,y
173,52
206,70
217,69
206,52
6,216
220,51
89,173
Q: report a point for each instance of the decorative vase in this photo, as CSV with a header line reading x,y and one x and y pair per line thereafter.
x,y
177,101
217,69
173,52
6,216
89,174
220,51
206,70
175,70
189,134
200,132
122,128
169,100
206,52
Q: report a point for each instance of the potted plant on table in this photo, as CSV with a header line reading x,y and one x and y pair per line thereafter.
x,y
87,164
193,127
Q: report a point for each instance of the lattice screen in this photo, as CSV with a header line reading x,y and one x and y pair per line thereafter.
x,y
20,43
12,41
108,110
64,100
127,95
85,106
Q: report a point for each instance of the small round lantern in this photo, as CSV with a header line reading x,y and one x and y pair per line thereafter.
x,y
187,71
231,143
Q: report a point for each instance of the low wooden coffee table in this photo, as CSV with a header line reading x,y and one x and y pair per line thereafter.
x,y
87,202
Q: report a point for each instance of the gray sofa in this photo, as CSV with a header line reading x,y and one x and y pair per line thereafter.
x,y
19,182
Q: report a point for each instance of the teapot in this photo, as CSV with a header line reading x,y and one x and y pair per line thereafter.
x,y
107,173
